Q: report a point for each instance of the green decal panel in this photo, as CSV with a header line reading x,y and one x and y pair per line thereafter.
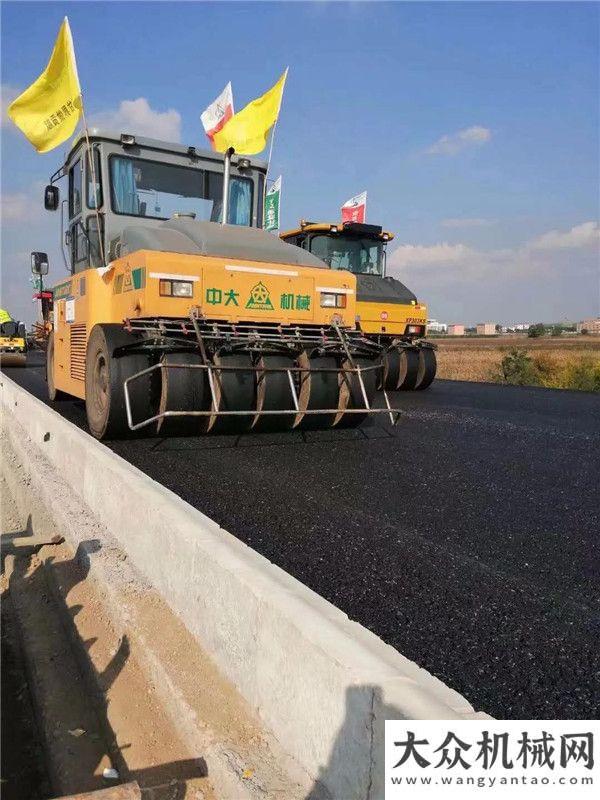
x,y
139,278
62,290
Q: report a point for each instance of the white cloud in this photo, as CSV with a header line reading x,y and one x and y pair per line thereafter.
x,y
467,222
585,235
453,143
26,226
547,277
433,255
7,95
15,207
137,116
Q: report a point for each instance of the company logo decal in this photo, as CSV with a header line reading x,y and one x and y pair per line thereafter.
x,y
260,299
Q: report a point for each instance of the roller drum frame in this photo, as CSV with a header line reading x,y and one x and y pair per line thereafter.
x,y
279,408
230,379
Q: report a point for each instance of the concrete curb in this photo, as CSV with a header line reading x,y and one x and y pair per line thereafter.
x,y
323,684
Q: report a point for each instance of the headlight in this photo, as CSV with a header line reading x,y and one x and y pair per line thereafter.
x,y
176,288
331,300
418,329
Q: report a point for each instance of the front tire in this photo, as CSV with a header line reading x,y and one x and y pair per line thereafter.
x,y
105,375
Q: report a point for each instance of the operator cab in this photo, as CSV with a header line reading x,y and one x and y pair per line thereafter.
x,y
137,181
356,247
353,246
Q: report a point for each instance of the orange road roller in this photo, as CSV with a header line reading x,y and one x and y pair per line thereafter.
x,y
387,311
180,315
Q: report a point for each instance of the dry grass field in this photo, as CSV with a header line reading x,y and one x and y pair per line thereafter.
x,y
562,362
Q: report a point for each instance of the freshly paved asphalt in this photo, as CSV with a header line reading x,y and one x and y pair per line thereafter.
x,y
468,537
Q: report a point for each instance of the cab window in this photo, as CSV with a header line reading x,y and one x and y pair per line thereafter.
x,y
358,255
94,198
75,179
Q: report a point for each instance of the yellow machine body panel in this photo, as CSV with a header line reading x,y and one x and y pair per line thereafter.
x,y
222,289
12,344
391,319
375,317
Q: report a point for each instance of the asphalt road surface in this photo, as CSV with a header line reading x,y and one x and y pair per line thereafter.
x,y
468,537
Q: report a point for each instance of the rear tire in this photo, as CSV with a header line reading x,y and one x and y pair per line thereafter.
x,y
104,378
427,368
409,369
53,392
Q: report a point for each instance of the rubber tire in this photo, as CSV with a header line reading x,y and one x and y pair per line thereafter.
x,y
186,390
277,395
53,392
412,369
105,405
13,360
370,380
427,368
238,393
324,393
391,369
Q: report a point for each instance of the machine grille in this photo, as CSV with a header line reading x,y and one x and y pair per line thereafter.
x,y
78,344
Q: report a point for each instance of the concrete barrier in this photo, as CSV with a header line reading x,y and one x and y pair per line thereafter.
x,y
321,683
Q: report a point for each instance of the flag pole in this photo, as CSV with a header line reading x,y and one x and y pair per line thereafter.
x,y
274,128
271,151
89,150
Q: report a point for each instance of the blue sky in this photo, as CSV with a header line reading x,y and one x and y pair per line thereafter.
x,y
495,222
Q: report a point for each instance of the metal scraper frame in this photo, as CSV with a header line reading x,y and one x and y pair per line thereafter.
x,y
249,335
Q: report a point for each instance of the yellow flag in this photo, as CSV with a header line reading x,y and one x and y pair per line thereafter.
x,y
247,130
49,110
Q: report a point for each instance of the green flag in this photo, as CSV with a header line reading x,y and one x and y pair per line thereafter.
x,y
272,204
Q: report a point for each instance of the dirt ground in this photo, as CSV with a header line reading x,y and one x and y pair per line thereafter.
x,y
67,715
472,358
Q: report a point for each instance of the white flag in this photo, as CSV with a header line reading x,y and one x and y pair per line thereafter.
x,y
355,209
218,113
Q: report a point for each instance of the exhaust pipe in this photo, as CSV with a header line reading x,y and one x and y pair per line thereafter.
x,y
226,176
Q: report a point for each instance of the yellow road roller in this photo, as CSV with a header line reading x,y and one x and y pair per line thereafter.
x,y
180,315
13,341
388,312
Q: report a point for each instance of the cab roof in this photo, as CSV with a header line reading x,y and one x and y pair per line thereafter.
x,y
144,142
356,228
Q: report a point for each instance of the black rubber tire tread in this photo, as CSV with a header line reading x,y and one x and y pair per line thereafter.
x,y
53,392
183,390
13,360
356,400
410,356
107,418
427,368
392,369
324,393
274,393
236,391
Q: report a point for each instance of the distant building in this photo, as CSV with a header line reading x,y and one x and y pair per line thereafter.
x,y
436,327
590,325
486,328
522,326
456,330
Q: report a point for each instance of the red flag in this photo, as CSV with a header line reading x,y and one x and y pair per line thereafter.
x,y
218,113
355,209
